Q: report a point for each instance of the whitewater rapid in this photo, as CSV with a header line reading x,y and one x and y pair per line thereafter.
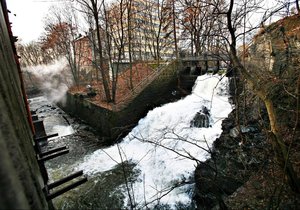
x,y
164,146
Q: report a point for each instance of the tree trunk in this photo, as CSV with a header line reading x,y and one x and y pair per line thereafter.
x,y
261,91
93,41
129,43
157,50
102,70
174,27
280,148
275,133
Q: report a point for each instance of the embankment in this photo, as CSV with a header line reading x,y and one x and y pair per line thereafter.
x,y
112,125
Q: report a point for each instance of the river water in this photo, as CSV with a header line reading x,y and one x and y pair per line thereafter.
x,y
152,167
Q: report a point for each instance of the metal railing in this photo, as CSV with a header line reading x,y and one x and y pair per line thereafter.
x,y
140,87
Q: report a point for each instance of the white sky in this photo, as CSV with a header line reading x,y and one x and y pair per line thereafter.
x,y
28,22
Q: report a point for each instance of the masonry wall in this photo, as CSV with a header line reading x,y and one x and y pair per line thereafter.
x,y
20,179
113,125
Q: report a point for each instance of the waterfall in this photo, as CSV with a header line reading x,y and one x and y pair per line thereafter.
x,y
164,146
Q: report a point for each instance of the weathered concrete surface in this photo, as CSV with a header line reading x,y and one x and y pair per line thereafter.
x,y
20,179
115,124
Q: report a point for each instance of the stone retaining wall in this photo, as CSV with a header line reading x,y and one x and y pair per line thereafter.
x,y
113,125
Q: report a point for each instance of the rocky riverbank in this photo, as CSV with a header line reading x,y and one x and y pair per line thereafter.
x,y
242,172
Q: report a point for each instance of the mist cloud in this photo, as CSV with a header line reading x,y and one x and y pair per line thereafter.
x,y
53,79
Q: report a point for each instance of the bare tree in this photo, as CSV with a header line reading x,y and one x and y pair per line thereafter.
x,y
95,7
159,28
115,35
261,87
31,54
197,24
61,31
129,38
174,18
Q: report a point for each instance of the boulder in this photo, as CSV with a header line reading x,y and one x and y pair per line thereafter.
x,y
234,132
201,119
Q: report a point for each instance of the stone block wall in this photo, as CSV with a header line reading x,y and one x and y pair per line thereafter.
x,y
20,178
115,124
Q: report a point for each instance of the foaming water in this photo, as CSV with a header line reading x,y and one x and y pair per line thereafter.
x,y
63,130
164,146
51,115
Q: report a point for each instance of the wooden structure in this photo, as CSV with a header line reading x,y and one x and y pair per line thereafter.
x,y
23,177
43,154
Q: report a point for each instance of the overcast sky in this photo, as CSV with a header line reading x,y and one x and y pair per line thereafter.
x,y
28,22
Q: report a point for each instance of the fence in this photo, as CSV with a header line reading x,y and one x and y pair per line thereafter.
x,y
140,87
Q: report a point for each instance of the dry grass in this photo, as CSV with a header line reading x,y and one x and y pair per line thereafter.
x,y
140,71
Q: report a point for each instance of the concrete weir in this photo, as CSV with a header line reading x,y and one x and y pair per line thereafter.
x,y
115,124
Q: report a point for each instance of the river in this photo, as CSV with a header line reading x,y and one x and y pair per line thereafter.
x,y
152,167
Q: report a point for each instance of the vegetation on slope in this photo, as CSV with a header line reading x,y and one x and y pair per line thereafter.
x,y
249,171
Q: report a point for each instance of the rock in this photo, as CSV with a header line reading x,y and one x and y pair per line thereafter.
x,y
201,119
234,132
87,128
228,123
213,186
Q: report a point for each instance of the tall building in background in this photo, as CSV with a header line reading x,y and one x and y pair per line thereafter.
x,y
142,28
136,30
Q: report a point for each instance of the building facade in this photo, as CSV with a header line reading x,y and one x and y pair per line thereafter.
x,y
132,31
141,28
